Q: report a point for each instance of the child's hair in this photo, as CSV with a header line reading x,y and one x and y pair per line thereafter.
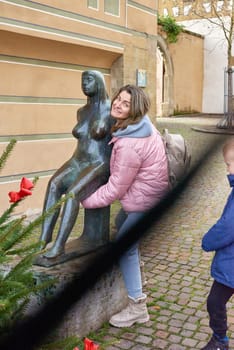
x,y
229,145
139,106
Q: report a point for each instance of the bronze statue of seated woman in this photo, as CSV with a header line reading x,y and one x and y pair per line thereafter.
x,y
84,172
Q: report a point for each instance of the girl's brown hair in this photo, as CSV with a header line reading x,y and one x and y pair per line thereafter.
x,y
139,106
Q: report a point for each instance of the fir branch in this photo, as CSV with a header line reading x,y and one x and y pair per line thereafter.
x,y
18,292
32,248
10,287
7,152
17,281
11,234
3,259
34,181
6,215
63,344
26,262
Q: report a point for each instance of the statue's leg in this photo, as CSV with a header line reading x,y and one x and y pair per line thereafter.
x,y
57,186
97,226
52,196
89,179
68,219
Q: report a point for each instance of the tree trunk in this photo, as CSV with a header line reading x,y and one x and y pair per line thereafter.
x,y
228,121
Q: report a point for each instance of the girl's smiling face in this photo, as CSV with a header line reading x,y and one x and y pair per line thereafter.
x,y
121,106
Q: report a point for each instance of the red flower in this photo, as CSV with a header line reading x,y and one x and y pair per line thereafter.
x,y
14,197
25,186
89,345
76,348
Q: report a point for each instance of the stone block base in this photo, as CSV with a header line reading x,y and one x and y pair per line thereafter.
x,y
107,297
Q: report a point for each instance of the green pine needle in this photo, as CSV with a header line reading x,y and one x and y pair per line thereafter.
x,y
7,152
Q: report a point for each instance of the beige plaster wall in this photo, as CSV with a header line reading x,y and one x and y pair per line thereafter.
x,y
140,53
187,57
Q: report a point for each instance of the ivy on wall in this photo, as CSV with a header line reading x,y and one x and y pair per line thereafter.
x,y
170,27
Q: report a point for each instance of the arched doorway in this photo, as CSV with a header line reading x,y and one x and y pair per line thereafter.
x,y
164,93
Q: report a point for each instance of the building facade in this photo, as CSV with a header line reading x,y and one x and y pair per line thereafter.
x,y
44,48
179,74
207,18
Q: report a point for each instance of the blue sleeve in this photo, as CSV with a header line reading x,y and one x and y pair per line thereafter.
x,y
221,234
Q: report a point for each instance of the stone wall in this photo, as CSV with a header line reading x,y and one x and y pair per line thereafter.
x,y
107,297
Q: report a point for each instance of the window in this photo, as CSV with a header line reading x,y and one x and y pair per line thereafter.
x,y
93,4
112,7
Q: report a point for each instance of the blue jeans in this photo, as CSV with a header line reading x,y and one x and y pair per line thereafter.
x,y
130,260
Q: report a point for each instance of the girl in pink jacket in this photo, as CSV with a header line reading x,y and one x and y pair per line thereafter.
x,y
138,179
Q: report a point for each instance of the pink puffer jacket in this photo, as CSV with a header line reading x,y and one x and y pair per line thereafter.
x,y
139,174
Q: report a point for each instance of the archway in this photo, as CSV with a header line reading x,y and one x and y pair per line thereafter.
x,y
164,93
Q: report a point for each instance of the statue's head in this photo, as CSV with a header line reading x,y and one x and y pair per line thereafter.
x,y
93,84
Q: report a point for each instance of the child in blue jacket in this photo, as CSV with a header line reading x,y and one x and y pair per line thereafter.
x,y
220,238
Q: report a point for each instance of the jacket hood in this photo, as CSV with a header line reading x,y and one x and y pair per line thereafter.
x,y
139,130
231,180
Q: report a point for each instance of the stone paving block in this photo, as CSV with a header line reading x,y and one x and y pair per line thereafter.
x,y
114,331
162,334
193,320
160,344
161,326
175,307
176,347
174,338
145,330
140,347
194,304
200,336
201,314
186,333
190,326
129,336
108,338
205,329
204,321
172,292
187,311
171,298
143,339
125,344
192,343
174,330
167,313
180,316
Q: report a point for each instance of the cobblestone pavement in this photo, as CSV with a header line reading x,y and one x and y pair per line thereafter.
x,y
177,270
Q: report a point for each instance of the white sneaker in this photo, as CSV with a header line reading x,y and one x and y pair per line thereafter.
x,y
135,312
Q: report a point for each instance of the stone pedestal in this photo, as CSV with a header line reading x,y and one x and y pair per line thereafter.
x,y
107,297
